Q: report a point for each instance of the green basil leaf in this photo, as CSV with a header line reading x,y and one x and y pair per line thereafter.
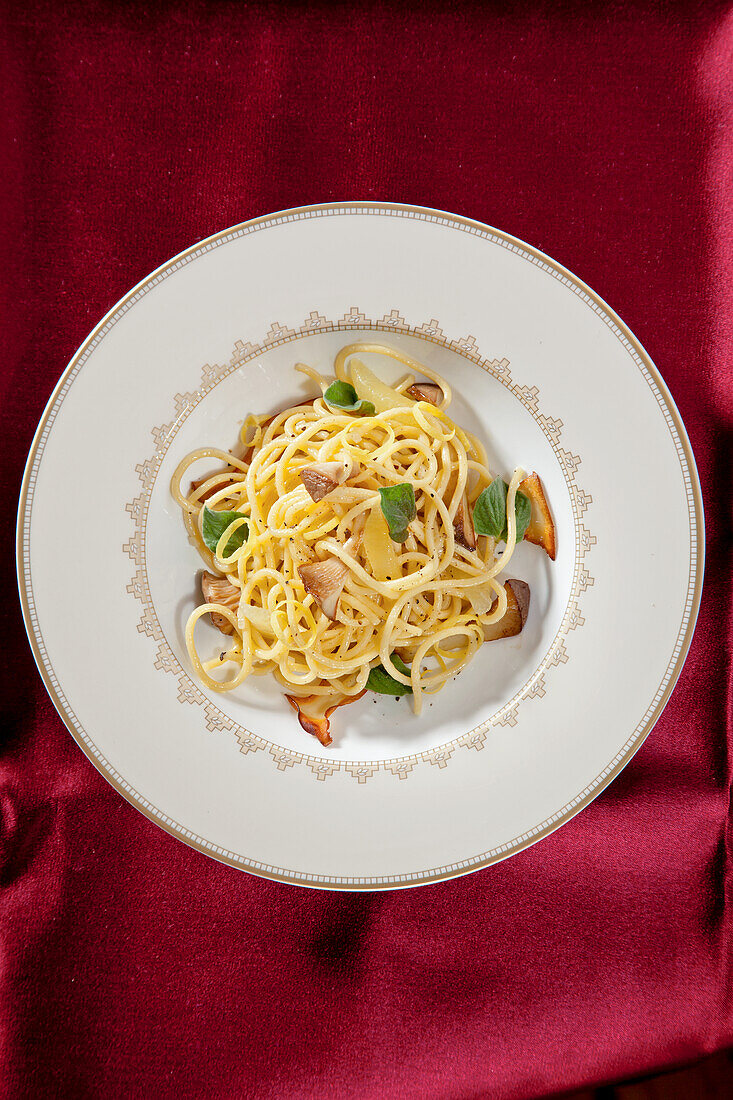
x,y
489,511
523,514
214,526
381,681
399,508
343,396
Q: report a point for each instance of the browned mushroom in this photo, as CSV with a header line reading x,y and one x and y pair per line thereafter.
x,y
463,526
426,391
219,590
515,616
541,530
323,477
314,712
324,581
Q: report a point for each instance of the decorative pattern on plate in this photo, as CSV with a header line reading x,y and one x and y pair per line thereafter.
x,y
139,588
634,737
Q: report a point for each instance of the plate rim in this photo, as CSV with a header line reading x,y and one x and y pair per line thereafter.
x,y
424,877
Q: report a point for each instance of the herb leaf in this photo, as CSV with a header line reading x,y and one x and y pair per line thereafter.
x,y
342,395
489,512
381,681
523,513
214,526
399,508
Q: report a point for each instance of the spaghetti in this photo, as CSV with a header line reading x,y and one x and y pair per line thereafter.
x,y
306,578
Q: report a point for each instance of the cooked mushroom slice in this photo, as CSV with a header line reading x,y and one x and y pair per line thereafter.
x,y
319,480
314,712
463,526
323,477
324,580
515,616
219,590
426,391
541,530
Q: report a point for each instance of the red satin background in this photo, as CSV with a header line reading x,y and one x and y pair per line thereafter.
x,y
134,966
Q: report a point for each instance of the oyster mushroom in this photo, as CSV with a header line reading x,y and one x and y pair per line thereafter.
x,y
463,526
219,590
426,391
314,712
541,530
324,581
323,477
515,616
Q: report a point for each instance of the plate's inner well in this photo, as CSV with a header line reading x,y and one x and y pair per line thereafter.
x,y
376,727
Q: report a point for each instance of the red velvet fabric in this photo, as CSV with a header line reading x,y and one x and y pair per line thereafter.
x,y
133,966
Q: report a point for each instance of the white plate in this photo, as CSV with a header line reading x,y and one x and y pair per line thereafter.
x,y
537,725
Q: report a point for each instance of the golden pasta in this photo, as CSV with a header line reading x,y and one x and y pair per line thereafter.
x,y
310,581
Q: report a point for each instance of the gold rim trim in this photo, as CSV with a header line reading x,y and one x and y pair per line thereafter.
x,y
692,604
